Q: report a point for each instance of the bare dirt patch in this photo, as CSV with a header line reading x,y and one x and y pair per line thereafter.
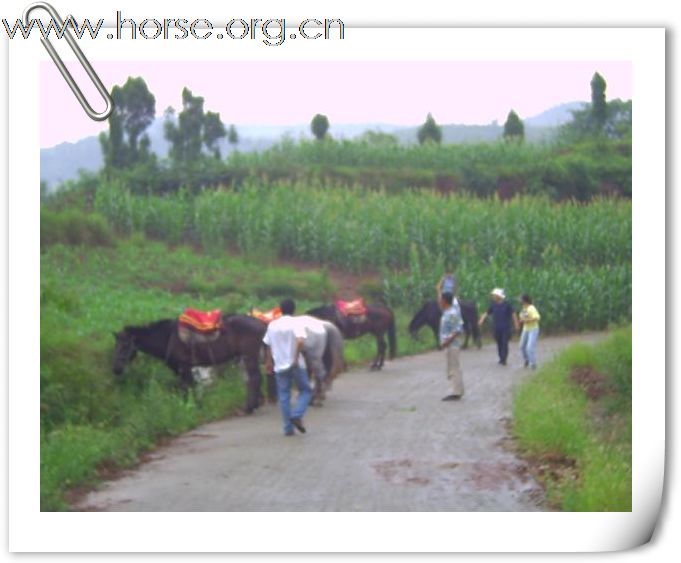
x,y
595,384
400,472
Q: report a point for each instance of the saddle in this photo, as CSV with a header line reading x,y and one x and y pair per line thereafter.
x,y
199,327
355,310
266,316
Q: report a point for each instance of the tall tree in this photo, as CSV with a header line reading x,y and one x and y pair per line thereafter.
x,y
319,126
599,107
514,129
193,131
134,109
430,131
232,135
213,131
611,119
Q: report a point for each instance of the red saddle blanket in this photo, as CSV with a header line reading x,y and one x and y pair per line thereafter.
x,y
201,321
266,316
352,308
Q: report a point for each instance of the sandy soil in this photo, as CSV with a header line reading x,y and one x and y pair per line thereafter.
x,y
384,441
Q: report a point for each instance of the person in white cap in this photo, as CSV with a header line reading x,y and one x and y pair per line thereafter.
x,y
504,318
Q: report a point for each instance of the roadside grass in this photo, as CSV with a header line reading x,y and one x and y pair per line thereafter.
x,y
579,435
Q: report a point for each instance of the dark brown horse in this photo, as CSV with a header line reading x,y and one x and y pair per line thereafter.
x,y
378,321
240,338
430,314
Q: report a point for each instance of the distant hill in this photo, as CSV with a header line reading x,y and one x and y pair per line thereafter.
x,y
62,162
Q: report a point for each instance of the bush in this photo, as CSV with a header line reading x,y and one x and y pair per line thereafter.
x,y
73,227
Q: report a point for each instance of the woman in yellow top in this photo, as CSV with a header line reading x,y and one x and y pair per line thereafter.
x,y
529,317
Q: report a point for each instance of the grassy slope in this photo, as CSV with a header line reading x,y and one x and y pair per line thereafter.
x,y
88,418
587,428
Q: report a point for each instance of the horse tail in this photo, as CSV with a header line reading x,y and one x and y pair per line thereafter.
x,y
334,349
392,338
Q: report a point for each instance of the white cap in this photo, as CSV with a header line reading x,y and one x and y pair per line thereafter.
x,y
499,292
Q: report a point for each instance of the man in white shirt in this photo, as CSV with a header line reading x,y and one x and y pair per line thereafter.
x,y
284,341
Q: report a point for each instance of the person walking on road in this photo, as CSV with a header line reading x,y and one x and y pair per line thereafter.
x,y
529,318
284,341
504,319
451,327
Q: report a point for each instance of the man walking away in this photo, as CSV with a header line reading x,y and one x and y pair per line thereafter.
x,y
284,341
504,318
451,326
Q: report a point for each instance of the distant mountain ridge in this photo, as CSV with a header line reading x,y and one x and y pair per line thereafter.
x,y
62,162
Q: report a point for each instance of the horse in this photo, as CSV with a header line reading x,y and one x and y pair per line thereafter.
x,y
430,315
378,321
240,338
323,353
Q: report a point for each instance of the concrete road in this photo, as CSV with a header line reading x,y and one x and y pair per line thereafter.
x,y
383,441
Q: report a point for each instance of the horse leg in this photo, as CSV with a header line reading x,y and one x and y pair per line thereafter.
x,y
436,332
186,380
467,332
271,388
253,385
380,356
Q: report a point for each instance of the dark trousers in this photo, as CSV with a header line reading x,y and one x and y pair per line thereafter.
x,y
502,336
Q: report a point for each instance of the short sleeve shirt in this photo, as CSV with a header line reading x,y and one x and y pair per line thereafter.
x,y
502,313
281,337
451,322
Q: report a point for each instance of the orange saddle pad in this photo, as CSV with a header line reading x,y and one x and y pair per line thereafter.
x,y
352,308
201,321
266,316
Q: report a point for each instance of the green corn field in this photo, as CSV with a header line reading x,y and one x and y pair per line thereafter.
x,y
573,258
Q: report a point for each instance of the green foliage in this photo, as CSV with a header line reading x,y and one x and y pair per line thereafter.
x,y
378,138
319,126
73,227
134,108
553,417
514,128
429,132
575,258
232,135
599,107
213,131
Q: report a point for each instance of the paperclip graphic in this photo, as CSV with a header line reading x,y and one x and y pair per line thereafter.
x,y
83,61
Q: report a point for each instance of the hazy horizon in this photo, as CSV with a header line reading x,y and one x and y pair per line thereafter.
x,y
288,94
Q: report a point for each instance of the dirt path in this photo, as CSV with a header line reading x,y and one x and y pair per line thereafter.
x,y
382,442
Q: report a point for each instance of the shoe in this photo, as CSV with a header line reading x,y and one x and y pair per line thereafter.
x,y
451,398
502,362
298,424
289,433
527,363
533,366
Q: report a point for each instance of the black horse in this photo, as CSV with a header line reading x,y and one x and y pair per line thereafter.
x,y
431,313
240,338
379,321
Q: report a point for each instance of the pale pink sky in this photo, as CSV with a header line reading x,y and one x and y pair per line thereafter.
x,y
288,93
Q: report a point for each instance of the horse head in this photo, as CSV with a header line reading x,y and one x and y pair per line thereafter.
x,y
417,322
124,352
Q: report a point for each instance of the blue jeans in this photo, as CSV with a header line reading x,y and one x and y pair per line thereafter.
x,y
284,381
528,345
